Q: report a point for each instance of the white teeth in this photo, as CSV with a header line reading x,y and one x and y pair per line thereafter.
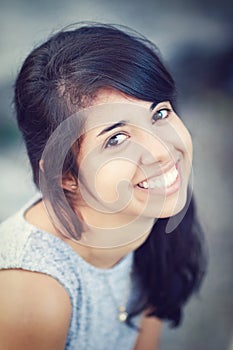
x,y
158,183
145,184
161,181
151,184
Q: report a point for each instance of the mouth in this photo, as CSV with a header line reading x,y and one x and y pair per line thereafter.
x,y
168,182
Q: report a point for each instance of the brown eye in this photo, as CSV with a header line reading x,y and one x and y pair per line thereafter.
x,y
116,140
161,114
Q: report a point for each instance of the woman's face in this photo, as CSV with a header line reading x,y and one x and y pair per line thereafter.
x,y
135,159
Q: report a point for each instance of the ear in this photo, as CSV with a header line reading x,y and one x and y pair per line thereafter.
x,y
41,165
69,183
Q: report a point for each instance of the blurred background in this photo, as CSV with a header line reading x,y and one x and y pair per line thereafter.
x,y
196,41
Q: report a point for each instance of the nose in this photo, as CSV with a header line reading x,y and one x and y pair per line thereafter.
x,y
155,150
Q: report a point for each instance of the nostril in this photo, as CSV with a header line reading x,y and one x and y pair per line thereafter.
x,y
148,158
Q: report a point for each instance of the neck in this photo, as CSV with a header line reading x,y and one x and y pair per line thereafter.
x,y
112,245
106,257
109,238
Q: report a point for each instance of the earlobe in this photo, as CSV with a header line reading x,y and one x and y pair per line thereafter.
x,y
69,183
70,187
73,187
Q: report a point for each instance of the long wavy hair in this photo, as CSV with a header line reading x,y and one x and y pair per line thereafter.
x,y
60,77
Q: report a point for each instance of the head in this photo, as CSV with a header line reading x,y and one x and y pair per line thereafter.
x,y
94,65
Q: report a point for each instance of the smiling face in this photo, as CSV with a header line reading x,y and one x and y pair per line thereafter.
x,y
135,161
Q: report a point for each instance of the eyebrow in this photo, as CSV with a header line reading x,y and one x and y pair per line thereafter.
x,y
121,123
153,105
113,126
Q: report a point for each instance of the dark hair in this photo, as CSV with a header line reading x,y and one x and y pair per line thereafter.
x,y
63,75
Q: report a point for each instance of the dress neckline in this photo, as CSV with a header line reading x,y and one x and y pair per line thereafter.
x,y
66,247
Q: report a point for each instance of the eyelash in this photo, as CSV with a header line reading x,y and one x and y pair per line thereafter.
x,y
168,110
107,145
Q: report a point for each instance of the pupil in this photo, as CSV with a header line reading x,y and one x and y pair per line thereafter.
x,y
113,141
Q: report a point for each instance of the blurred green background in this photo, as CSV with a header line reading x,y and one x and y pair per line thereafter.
x,y
196,41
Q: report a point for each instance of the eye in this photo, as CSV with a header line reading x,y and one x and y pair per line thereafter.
x,y
161,114
116,140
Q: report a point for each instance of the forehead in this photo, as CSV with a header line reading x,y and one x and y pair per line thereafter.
x,y
108,96
110,106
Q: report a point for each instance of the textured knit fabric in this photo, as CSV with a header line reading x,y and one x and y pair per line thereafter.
x,y
94,293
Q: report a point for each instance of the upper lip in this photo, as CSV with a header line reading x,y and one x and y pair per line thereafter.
x,y
165,169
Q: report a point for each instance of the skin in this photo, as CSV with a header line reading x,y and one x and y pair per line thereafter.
x,y
114,203
144,148
110,205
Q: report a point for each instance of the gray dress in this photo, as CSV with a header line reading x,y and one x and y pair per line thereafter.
x,y
94,324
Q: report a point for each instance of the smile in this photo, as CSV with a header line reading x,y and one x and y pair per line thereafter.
x,y
162,181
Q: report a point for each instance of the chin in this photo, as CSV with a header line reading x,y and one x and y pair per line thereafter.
x,y
176,208
169,213
170,208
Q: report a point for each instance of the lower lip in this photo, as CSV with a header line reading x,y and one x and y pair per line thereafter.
x,y
168,190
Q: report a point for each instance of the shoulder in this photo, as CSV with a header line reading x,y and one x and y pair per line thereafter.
x,y
13,229
35,309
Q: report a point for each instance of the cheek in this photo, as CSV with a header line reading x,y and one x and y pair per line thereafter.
x,y
114,179
182,139
184,144
187,140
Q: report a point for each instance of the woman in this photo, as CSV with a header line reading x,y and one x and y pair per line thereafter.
x,y
88,264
